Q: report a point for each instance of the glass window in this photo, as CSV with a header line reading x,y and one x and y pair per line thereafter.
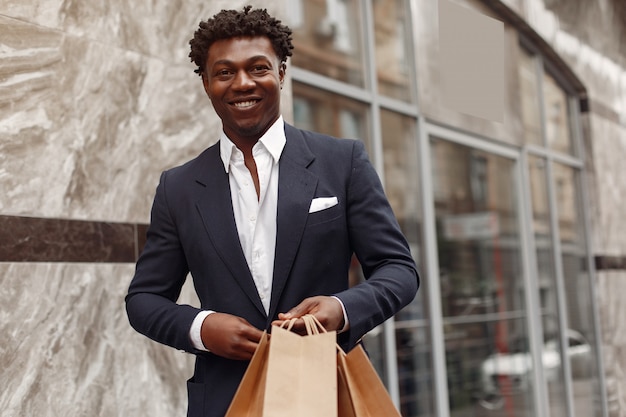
x,y
402,187
332,114
392,49
558,136
571,264
327,38
546,282
581,347
481,279
529,93
402,184
415,374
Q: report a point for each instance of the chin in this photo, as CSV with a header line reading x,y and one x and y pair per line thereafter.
x,y
248,131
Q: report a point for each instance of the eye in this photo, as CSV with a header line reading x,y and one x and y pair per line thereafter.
x,y
223,73
259,69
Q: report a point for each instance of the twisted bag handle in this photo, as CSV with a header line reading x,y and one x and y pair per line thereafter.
x,y
312,324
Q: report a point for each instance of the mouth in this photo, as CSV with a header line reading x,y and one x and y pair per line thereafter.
x,y
245,104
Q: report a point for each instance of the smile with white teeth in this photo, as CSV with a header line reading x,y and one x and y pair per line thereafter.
x,y
244,104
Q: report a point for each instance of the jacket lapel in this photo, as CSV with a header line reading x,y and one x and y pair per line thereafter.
x,y
296,188
216,211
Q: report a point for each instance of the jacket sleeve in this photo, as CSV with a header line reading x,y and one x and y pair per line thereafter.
x,y
159,276
381,248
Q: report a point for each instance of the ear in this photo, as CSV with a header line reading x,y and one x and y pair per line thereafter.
x,y
281,73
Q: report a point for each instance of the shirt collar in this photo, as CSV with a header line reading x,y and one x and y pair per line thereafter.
x,y
273,140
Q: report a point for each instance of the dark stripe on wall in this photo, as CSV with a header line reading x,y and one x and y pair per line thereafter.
x,y
34,239
31,239
605,263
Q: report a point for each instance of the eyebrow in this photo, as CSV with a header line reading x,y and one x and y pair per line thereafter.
x,y
249,60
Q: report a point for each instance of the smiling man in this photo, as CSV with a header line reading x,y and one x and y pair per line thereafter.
x,y
266,221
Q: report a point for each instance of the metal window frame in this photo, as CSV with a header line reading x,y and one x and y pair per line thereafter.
x,y
588,241
432,130
370,96
575,161
426,131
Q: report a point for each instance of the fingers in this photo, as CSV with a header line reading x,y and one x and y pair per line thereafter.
x,y
326,309
307,306
230,336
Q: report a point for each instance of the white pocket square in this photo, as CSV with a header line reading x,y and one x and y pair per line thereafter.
x,y
322,203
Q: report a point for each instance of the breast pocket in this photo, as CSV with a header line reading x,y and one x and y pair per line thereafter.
x,y
324,216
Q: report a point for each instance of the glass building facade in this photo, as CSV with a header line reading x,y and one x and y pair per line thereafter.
x,y
504,323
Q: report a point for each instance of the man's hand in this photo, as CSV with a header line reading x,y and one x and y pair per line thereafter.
x,y
230,336
326,309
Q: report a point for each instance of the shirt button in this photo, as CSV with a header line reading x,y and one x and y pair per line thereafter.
x,y
252,218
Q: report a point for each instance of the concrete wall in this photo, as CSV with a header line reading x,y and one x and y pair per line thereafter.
x,y
96,98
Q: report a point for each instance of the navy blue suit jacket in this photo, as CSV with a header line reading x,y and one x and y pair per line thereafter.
x,y
193,230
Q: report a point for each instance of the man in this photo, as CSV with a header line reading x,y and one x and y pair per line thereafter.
x,y
266,221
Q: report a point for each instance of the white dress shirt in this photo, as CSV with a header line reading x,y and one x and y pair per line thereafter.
x,y
255,216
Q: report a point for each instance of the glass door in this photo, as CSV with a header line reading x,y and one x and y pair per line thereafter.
x,y
481,277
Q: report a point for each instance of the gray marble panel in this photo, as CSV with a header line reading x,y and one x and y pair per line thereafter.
x,y
68,349
85,130
96,99
159,28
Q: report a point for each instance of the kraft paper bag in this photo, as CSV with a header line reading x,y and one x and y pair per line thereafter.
x,y
361,393
301,376
290,376
248,399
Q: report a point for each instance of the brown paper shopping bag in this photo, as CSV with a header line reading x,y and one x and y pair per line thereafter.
x,y
290,376
248,400
360,391
301,373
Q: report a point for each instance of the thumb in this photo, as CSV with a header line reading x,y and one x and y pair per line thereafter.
x,y
305,307
294,312
284,316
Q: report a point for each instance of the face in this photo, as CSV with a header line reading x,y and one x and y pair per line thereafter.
x,y
243,77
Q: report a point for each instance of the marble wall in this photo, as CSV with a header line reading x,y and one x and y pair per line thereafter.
x,y
68,350
96,98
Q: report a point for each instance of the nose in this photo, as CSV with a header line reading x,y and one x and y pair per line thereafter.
x,y
243,81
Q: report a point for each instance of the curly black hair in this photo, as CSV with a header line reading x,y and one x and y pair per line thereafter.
x,y
231,23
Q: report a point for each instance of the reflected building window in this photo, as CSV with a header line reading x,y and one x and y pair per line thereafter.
x,y
478,209
560,246
332,114
402,186
555,105
547,284
481,281
529,99
558,135
393,70
326,36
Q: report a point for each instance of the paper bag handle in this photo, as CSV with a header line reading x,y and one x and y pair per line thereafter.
x,y
312,324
